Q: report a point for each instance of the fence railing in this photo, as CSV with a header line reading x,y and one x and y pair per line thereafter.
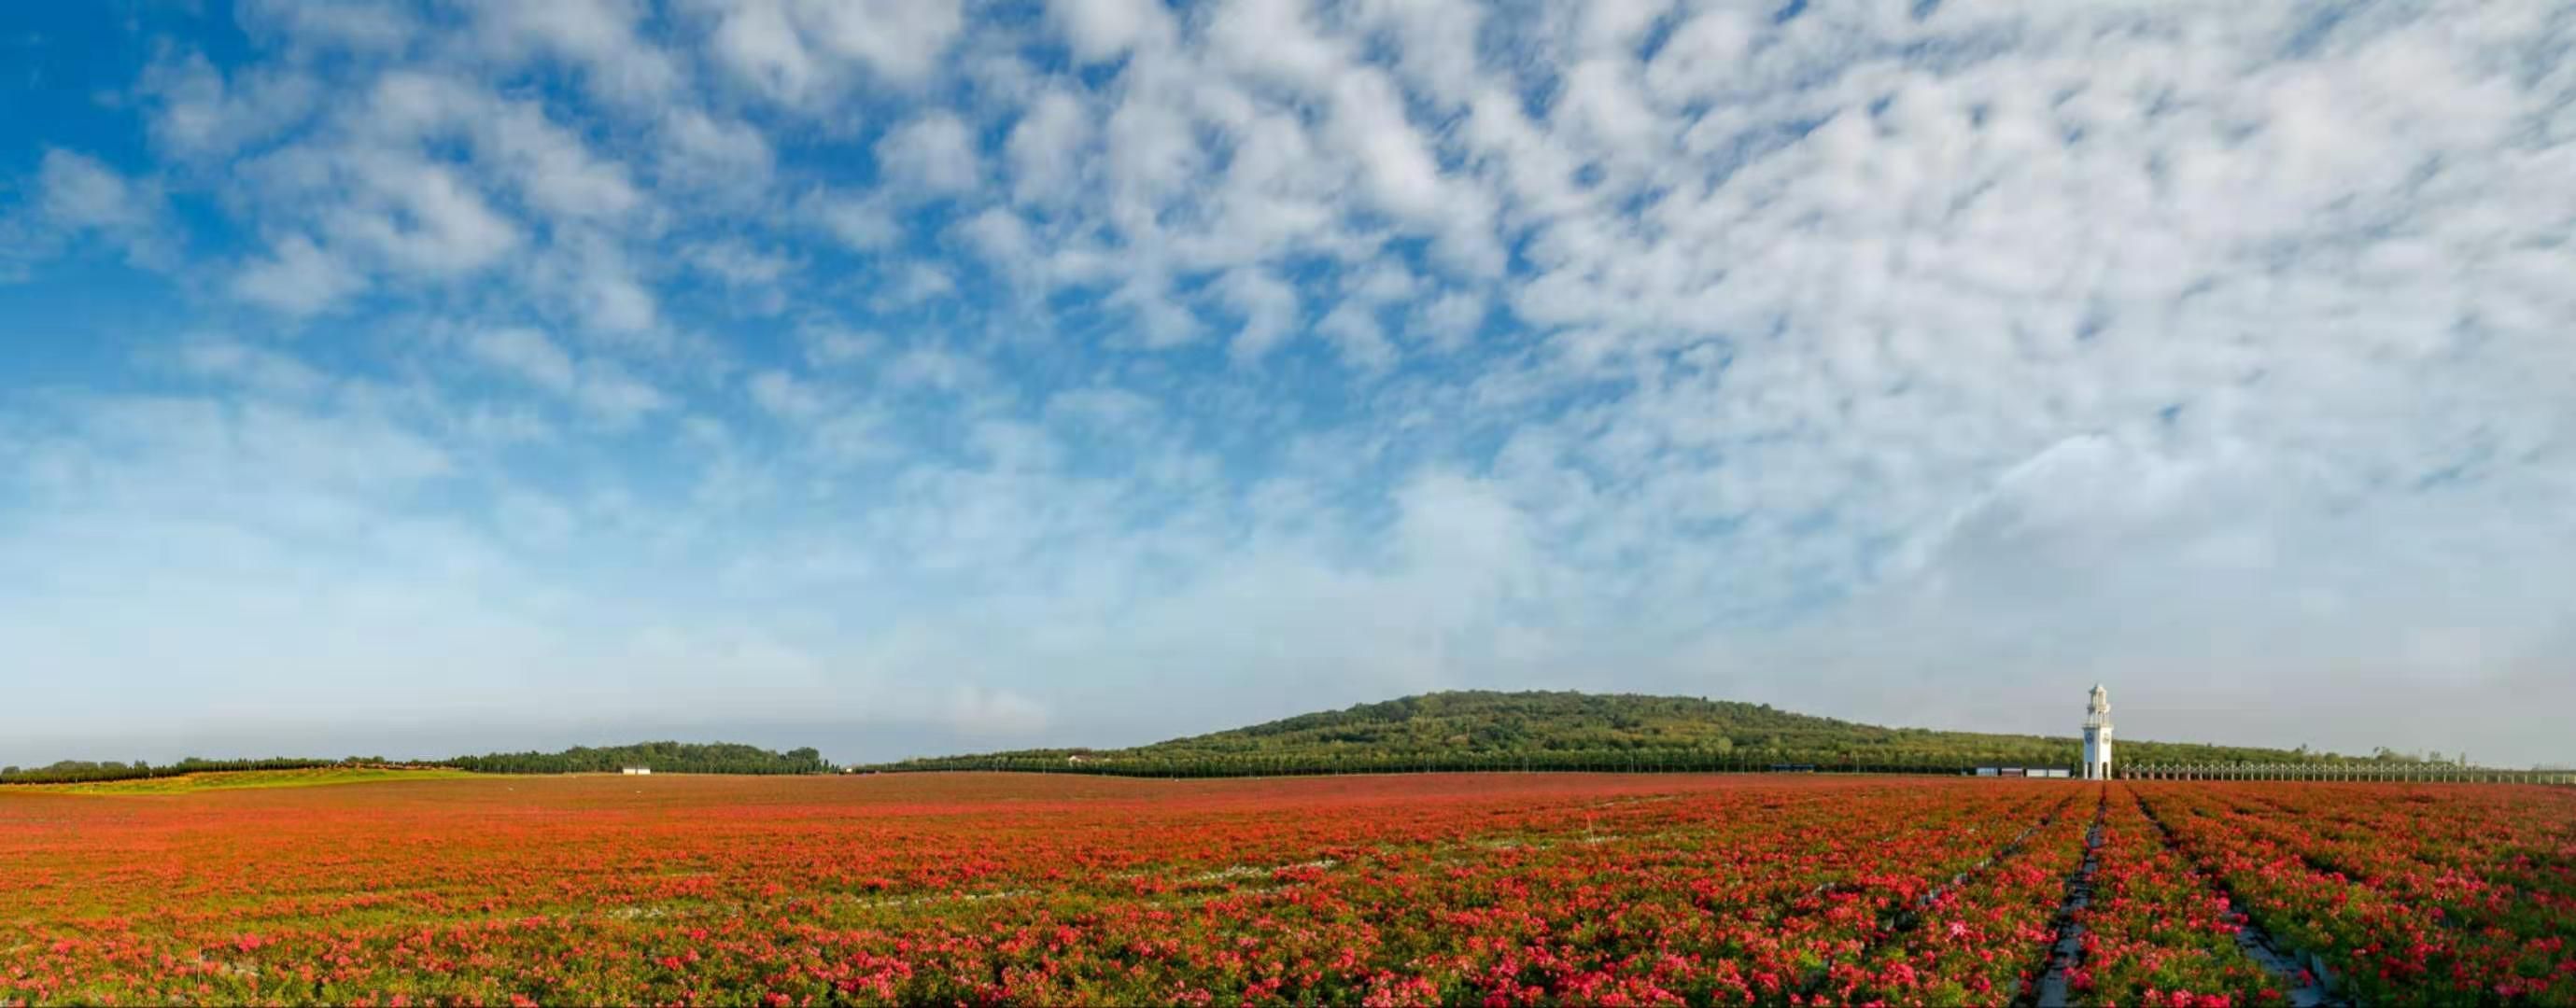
x,y
1262,766
2430,773
1259,766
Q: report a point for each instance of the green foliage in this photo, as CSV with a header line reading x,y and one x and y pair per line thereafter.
x,y
1568,730
85,771
664,757
661,757
233,780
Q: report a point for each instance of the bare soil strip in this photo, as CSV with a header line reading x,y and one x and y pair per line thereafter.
x,y
2069,950
2303,976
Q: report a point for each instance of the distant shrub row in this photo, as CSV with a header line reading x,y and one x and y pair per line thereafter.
x,y
85,771
662,757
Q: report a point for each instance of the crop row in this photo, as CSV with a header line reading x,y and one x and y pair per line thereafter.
x,y
2396,907
2158,930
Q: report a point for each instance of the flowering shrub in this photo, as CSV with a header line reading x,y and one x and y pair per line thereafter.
x,y
972,888
2404,892
2157,930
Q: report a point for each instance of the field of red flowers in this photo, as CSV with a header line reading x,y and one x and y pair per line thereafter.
x,y
1487,889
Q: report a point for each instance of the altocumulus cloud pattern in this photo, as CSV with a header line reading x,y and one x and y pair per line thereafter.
x,y
1105,369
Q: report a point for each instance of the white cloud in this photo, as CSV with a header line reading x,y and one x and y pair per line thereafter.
x,y
1158,320
525,354
934,153
1269,309
1450,320
297,278
616,397
418,217
1100,30
598,288
202,114
79,192
78,196
368,26
833,346
758,42
266,370
785,397
1355,332
935,368
516,142
915,283
860,222
599,35
1369,120
1274,42
553,171
740,264
600,388
1002,238
701,151
800,51
1045,146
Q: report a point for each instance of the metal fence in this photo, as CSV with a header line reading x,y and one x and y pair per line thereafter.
x,y
2429,773
1541,762
1650,762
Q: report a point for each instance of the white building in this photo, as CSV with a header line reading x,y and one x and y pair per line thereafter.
x,y
2097,735
637,771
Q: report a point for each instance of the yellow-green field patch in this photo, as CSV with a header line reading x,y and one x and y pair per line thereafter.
x,y
234,779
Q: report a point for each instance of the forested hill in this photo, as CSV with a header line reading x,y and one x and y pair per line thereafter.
x,y
1553,728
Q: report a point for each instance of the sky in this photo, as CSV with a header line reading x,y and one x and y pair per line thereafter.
x,y
914,376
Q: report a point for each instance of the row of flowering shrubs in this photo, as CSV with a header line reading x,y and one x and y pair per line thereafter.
x,y
987,888
2157,930
2405,893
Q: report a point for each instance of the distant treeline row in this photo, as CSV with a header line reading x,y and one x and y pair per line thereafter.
x,y
85,771
661,757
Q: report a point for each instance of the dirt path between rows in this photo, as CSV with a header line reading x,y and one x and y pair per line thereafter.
x,y
2068,952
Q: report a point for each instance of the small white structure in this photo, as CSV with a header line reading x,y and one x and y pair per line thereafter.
x,y
2097,735
637,771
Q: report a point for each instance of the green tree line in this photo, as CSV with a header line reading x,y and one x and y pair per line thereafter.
x,y
85,771
662,757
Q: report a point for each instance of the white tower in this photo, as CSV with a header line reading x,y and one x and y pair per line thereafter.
x,y
2097,735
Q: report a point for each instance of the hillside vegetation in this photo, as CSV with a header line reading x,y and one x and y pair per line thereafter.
x,y
1560,729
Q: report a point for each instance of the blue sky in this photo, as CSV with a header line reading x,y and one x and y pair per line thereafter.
x,y
914,376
